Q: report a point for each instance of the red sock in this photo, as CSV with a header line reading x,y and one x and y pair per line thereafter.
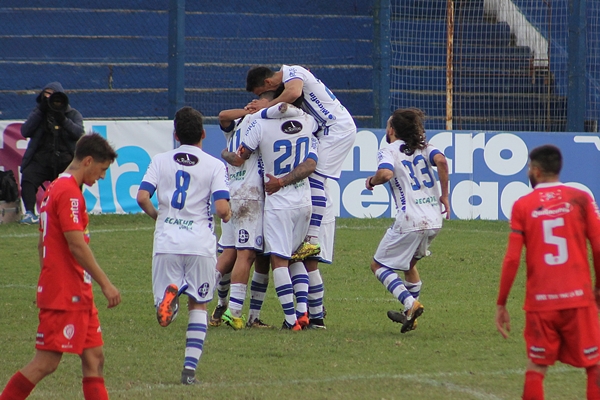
x,y
17,388
593,382
534,386
94,389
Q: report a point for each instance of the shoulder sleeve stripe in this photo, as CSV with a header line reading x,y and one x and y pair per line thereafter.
x,y
386,166
220,195
148,187
433,154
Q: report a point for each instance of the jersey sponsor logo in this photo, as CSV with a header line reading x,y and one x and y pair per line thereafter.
x,y
292,72
426,200
87,278
237,176
75,210
243,236
75,299
185,159
69,331
320,106
559,296
590,350
203,290
39,339
182,223
554,211
291,127
40,289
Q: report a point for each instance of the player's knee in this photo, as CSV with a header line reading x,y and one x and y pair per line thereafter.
x,y
375,266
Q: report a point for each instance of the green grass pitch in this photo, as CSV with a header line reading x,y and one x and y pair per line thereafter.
x,y
455,353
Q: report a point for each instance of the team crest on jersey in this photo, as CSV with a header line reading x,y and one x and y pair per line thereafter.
x,y
203,290
185,159
243,236
259,241
291,127
69,331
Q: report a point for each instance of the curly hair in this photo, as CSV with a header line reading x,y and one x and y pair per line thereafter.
x,y
408,125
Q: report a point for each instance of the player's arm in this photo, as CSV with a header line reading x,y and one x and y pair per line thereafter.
x,y
223,209
593,235
144,195
381,176
226,117
510,266
302,171
232,158
84,256
41,249
442,168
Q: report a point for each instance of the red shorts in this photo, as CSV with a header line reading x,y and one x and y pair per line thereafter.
x,y
571,336
68,331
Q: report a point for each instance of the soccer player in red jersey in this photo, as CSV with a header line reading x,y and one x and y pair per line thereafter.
x,y
68,317
554,222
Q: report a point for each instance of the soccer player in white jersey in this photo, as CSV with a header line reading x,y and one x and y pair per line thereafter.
x,y
184,250
336,136
407,164
285,144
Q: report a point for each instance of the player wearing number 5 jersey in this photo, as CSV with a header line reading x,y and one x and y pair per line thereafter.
x,y
407,164
184,251
554,222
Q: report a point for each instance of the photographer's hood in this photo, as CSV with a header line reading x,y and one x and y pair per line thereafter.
x,y
55,86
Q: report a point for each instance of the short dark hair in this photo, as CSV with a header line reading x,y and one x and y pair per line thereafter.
x,y
94,145
298,102
548,158
188,125
256,77
409,125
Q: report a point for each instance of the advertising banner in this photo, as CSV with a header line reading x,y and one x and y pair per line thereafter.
x,y
488,170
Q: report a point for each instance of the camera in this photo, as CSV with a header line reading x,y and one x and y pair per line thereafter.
x,y
58,101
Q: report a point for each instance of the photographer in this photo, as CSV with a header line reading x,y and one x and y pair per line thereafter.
x,y
53,128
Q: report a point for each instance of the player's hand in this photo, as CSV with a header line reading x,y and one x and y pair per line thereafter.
x,y
445,206
273,185
256,105
502,321
112,294
368,184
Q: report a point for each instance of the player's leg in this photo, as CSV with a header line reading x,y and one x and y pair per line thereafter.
x,y
32,177
315,294
319,203
225,263
299,278
167,280
199,275
92,364
593,382
285,291
258,290
22,382
239,283
533,389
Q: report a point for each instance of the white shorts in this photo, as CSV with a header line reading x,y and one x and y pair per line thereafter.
x,y
194,275
333,150
396,249
285,230
244,231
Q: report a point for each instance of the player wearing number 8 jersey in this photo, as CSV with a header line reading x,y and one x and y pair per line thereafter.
x,y
407,164
184,251
554,223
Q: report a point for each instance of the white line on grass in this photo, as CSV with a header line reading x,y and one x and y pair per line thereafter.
x,y
427,379
36,234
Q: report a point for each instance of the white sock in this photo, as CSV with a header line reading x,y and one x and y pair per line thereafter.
x,y
236,299
223,288
258,290
395,286
414,288
300,282
195,335
285,293
315,295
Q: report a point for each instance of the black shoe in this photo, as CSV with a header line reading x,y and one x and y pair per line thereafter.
x,y
411,317
188,377
215,318
316,323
